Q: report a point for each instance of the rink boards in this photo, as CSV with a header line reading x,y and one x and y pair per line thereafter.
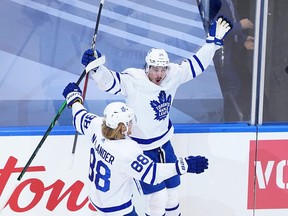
x,y
247,171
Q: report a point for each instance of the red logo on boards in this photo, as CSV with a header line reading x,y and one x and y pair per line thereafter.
x,y
268,174
56,191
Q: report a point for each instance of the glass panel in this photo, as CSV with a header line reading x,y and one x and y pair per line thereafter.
x,y
234,61
43,42
276,77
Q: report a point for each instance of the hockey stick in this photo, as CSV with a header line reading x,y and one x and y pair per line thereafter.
x,y
208,10
83,96
96,63
90,66
87,75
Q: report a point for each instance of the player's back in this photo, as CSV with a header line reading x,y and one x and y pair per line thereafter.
x,y
111,185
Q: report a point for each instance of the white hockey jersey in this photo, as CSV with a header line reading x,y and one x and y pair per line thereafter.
x,y
150,102
113,165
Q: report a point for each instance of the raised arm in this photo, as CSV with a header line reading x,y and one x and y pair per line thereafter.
x,y
106,80
217,32
81,118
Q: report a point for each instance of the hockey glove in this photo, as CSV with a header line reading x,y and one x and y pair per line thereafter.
x,y
218,31
72,93
191,164
89,56
212,32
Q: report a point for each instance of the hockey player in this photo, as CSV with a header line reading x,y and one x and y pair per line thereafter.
x,y
115,159
150,92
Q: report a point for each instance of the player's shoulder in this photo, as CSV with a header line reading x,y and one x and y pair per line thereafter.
x,y
131,145
95,123
129,142
134,72
176,68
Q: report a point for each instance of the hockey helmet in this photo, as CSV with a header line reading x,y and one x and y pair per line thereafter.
x,y
117,112
156,57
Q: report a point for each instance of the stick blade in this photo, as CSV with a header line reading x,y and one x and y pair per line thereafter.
x,y
96,63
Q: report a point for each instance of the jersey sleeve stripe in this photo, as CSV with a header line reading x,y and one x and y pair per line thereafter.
x,y
199,62
117,92
114,83
146,172
75,116
154,173
82,123
172,209
192,68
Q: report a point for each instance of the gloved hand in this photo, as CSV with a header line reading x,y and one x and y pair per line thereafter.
x,y
89,56
218,31
72,93
191,164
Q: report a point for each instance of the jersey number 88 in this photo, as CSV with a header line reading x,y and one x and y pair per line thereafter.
x,y
100,174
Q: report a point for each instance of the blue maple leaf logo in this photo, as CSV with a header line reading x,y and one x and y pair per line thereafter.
x,y
161,107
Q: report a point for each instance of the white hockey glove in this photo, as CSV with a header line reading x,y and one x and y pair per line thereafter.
x,y
72,93
218,31
191,164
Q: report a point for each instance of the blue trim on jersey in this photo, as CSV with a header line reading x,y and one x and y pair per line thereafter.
x,y
133,213
146,172
172,209
113,85
119,80
151,215
77,113
118,77
149,141
170,157
199,62
81,125
154,172
114,208
192,68
117,92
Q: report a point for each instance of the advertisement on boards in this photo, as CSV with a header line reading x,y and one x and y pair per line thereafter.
x,y
268,160
55,182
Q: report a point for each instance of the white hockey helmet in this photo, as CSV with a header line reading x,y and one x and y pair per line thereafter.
x,y
117,112
156,57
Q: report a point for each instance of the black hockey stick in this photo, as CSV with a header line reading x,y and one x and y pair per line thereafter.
x,y
208,10
90,66
83,96
87,75
86,71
